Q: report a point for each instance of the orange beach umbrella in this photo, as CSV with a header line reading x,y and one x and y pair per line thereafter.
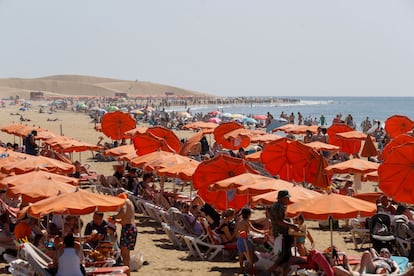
x,y
396,141
291,160
216,169
38,163
183,171
355,166
297,193
78,202
36,178
398,124
115,124
332,205
396,173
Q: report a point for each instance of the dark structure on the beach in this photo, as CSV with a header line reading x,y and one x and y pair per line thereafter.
x,y
37,95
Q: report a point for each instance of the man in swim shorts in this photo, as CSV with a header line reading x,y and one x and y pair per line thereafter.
x,y
129,230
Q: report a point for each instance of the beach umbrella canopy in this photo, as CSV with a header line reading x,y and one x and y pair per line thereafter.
x,y
37,178
369,149
253,157
137,112
167,135
372,176
33,191
115,124
223,129
356,166
145,143
156,156
244,179
216,169
317,145
184,114
76,203
24,130
191,142
215,120
276,122
396,173
136,130
322,179
112,108
264,138
260,117
214,113
119,151
248,120
200,125
297,193
371,197
10,128
335,140
38,163
238,138
397,141
253,184
226,115
296,129
128,157
398,124
44,135
183,171
72,145
332,205
350,141
166,161
291,160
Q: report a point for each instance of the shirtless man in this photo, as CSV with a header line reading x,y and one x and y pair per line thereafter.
x,y
129,232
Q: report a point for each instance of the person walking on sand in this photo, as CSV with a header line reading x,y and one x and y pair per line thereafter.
x,y
129,232
280,226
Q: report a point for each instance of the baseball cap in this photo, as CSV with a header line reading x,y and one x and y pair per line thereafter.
x,y
282,194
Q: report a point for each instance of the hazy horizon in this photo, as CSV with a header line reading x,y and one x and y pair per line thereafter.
x,y
226,48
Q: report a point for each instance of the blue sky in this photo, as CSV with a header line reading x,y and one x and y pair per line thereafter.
x,y
222,47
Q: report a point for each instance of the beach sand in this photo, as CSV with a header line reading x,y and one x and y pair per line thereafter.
x,y
163,259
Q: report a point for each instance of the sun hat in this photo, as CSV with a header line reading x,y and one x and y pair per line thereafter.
x,y
283,194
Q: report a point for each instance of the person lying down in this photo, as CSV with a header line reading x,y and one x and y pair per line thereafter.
x,y
373,263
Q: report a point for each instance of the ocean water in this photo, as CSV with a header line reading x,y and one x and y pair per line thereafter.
x,y
378,108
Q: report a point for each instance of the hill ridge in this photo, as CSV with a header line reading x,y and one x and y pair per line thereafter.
x,y
83,85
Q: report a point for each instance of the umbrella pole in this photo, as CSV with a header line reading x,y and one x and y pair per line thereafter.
x,y
357,181
80,232
331,229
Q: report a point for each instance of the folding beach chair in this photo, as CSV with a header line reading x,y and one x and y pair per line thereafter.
x,y
37,259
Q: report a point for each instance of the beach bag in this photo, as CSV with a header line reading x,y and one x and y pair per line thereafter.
x,y
136,262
